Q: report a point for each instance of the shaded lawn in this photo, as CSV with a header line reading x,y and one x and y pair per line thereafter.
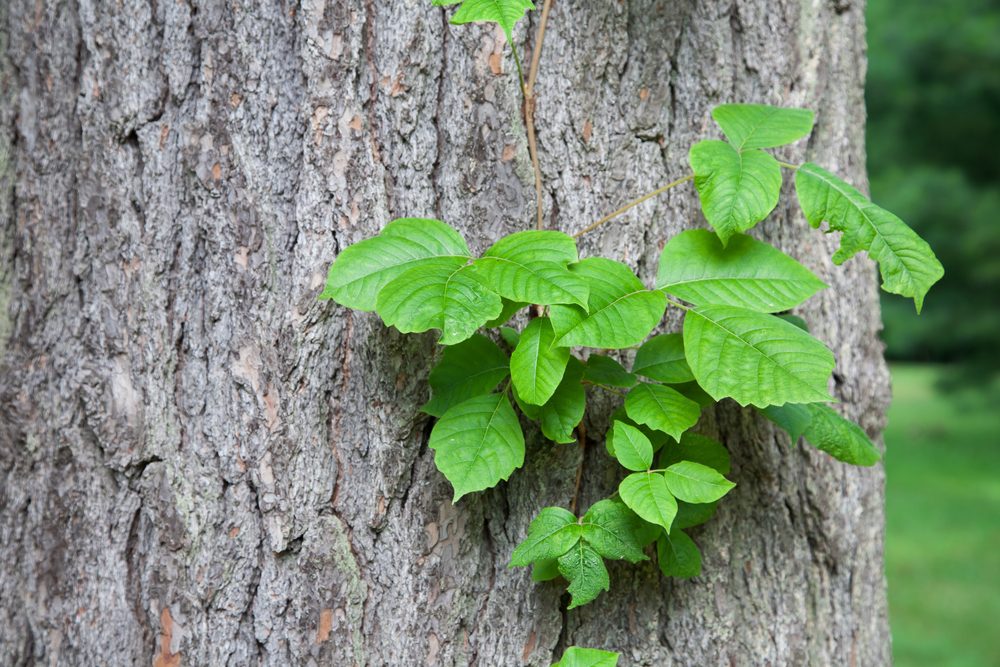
x,y
943,522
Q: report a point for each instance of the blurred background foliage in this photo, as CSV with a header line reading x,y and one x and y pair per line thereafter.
x,y
934,159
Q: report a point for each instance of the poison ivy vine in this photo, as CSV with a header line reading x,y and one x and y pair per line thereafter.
x,y
737,342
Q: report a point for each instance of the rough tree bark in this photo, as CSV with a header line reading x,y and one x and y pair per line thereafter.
x,y
202,464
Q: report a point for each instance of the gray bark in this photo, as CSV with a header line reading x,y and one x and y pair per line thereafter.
x,y
202,464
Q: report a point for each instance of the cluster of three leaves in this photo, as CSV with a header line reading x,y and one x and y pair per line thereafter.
x,y
739,185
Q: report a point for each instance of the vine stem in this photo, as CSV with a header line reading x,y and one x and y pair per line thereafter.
x,y
529,112
632,204
581,436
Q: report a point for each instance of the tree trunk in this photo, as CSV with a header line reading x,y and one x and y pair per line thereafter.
x,y
201,464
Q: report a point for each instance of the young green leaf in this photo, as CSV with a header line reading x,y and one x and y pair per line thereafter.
x,y
614,531
537,366
530,267
587,657
698,448
632,449
678,555
754,358
361,271
435,295
606,371
761,126
661,358
622,311
827,431
477,443
662,408
584,569
696,267
737,189
550,535
504,12
564,411
647,495
908,265
695,483
471,368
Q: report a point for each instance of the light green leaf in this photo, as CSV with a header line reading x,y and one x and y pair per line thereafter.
x,y
504,12
632,449
661,358
545,570
478,443
550,535
536,366
678,555
908,265
564,411
755,359
587,657
646,493
695,483
697,448
621,311
614,530
530,267
434,295
696,267
662,408
361,271
737,189
584,569
606,371
656,438
471,368
761,126
510,308
827,431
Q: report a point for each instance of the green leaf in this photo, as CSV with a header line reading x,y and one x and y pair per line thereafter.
x,y
761,126
477,443
908,265
435,295
608,372
737,189
690,515
632,449
587,657
656,438
794,319
361,271
697,448
662,408
696,267
536,366
621,311
584,569
827,431
678,555
661,358
510,308
550,535
695,483
646,493
545,570
693,391
510,336
564,411
613,530
504,12
530,267
471,368
754,358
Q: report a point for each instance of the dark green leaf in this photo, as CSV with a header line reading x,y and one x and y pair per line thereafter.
x,y
608,372
661,358
584,569
697,448
613,530
678,555
827,431
472,368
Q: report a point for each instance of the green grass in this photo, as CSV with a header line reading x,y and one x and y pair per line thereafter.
x,y
943,522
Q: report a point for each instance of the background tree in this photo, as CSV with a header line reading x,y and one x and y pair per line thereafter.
x,y
202,463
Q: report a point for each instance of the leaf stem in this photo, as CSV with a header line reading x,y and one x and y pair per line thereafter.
x,y
678,304
632,204
520,72
788,165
